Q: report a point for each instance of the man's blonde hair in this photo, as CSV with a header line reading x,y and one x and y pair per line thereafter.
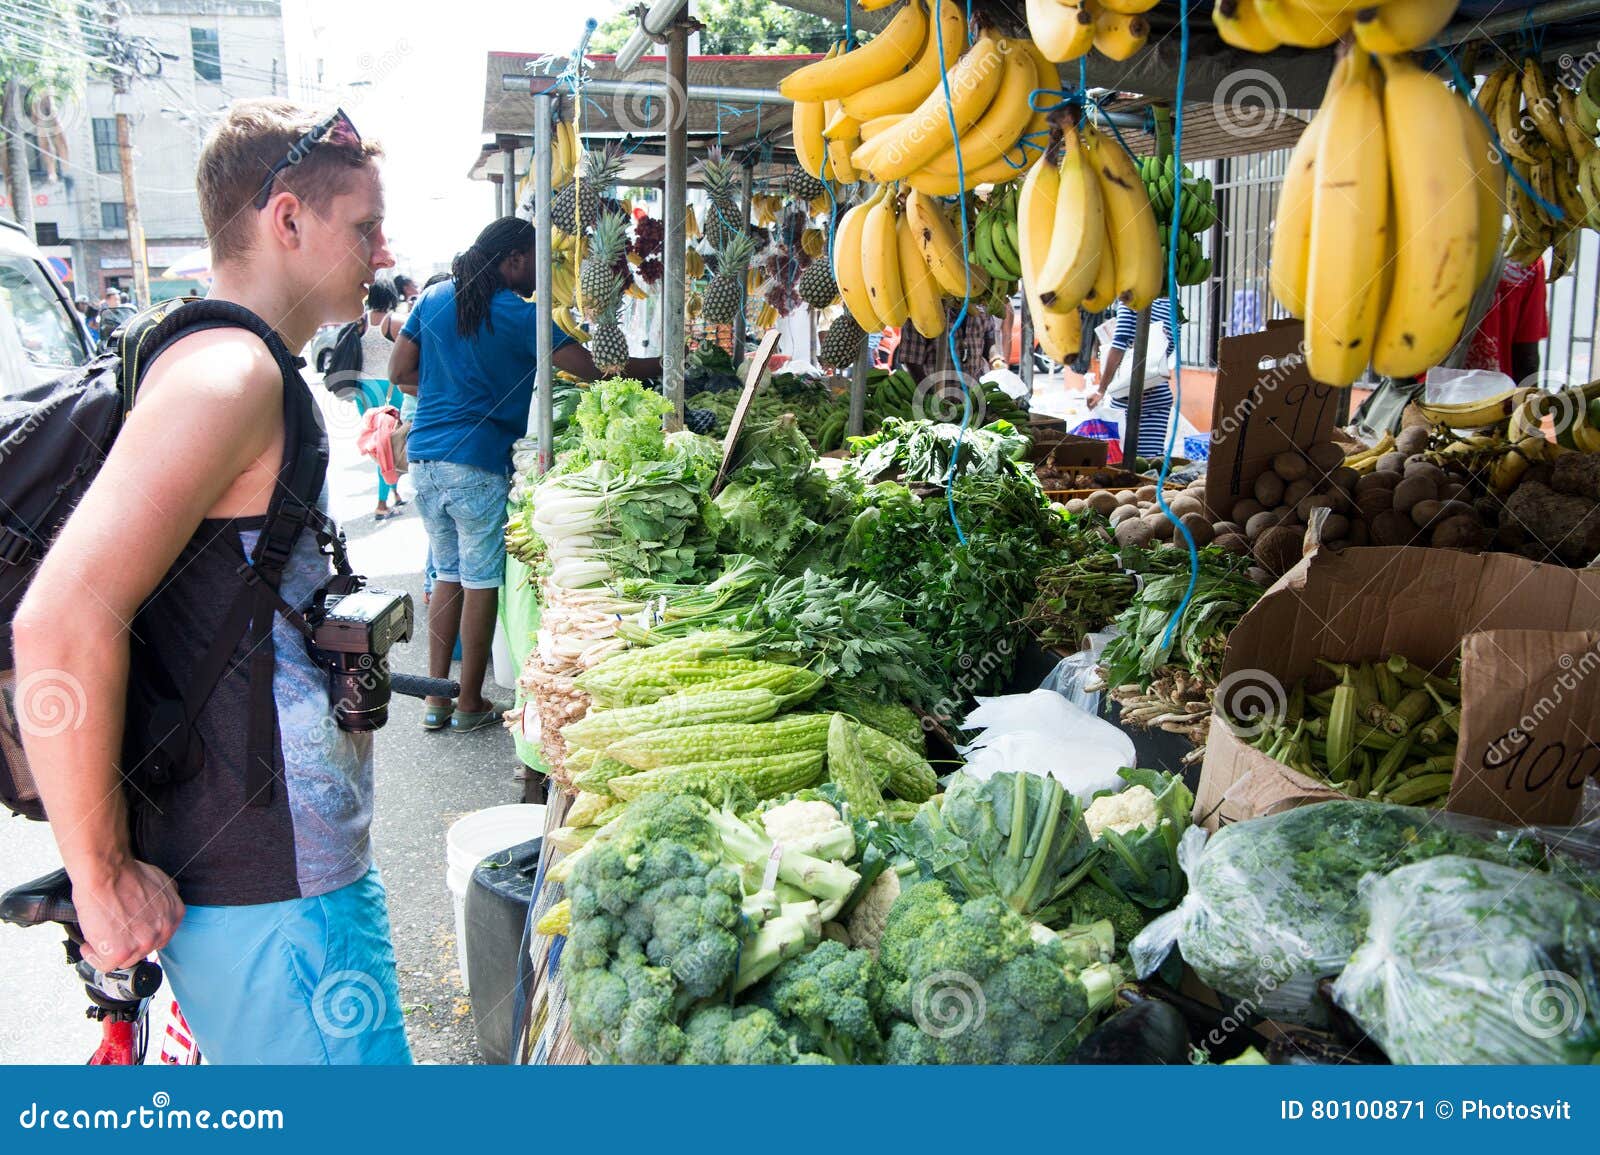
x,y
241,150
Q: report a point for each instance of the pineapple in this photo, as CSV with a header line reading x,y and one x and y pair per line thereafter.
x,y
607,345
598,282
841,343
724,216
817,287
723,295
804,187
599,172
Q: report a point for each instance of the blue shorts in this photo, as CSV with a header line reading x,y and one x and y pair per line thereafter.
x,y
306,982
464,511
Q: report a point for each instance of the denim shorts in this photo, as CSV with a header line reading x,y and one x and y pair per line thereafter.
x,y
310,981
464,510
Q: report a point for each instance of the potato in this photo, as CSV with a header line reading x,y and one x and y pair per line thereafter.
x,y
1101,501
1335,527
1413,439
1261,522
1160,528
1345,479
1260,576
1358,534
1127,497
1424,512
1459,532
1375,501
1391,463
1244,509
1199,528
1232,542
1451,490
1123,513
1076,505
1371,481
1269,489
1416,467
1133,531
1290,466
1147,493
1392,527
1278,549
1186,503
1449,509
1296,491
1412,490
1311,501
1326,458
1218,528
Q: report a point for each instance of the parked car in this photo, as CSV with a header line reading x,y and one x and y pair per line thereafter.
x,y
37,313
320,351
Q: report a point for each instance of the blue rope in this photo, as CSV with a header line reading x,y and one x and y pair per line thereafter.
x,y
966,297
1465,86
849,25
1177,362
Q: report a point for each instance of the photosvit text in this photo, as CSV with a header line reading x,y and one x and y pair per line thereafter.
x,y
1417,1109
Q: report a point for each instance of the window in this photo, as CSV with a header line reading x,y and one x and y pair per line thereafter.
x,y
113,215
42,320
207,54
47,233
106,158
35,157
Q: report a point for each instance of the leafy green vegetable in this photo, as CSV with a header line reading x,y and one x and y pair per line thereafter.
x,y
1466,961
827,999
1222,594
618,422
922,450
1142,864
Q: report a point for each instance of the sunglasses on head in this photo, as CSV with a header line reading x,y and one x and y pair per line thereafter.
x,y
336,128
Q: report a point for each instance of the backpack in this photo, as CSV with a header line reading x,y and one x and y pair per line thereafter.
x,y
53,439
344,362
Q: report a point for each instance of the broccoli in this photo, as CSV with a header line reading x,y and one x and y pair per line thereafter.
x,y
827,999
748,1036
1090,903
970,983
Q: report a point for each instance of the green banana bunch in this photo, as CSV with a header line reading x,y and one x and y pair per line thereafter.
x,y
995,236
1197,213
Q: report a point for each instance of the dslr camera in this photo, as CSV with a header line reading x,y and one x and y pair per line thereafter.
x,y
353,628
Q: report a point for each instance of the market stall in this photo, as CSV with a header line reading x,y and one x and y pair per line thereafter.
x,y
851,758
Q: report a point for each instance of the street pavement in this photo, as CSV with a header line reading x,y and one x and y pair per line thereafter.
x,y
424,782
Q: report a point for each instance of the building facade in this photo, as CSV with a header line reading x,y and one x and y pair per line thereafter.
x,y
211,52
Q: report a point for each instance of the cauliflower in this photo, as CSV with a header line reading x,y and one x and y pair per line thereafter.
x,y
1124,812
872,911
810,827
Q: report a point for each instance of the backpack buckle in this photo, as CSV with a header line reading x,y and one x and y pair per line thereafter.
x,y
15,547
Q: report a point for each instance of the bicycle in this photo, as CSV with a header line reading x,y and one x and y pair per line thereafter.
x,y
121,1001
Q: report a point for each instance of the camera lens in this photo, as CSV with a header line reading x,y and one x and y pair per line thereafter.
x,y
358,686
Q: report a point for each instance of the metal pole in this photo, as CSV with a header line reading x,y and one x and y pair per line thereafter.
x,y
858,392
653,23
1512,21
1141,350
544,108
509,185
643,88
676,200
746,194
1025,343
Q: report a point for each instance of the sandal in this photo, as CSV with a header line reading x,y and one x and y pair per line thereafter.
x,y
437,717
465,723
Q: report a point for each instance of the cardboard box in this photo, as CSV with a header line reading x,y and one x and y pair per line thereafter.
x,y
1068,450
1529,640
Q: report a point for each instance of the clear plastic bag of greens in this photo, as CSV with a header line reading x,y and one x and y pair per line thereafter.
x,y
1273,904
1465,961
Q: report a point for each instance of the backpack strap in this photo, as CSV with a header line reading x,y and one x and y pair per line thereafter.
x,y
293,507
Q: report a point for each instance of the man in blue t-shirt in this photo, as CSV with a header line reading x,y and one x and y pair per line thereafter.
x,y
469,352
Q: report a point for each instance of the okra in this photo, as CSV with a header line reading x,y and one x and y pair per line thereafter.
x,y
1295,709
1373,738
1415,791
1389,765
1412,708
1388,688
1341,728
1363,776
1415,677
1449,712
1366,689
1321,702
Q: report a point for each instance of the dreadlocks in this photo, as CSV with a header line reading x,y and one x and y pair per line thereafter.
x,y
477,271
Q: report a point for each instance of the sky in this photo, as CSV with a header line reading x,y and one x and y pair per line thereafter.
x,y
423,64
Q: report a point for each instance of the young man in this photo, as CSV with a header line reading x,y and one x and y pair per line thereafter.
x,y
264,904
469,351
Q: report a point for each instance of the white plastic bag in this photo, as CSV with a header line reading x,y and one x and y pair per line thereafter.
x,y
1043,733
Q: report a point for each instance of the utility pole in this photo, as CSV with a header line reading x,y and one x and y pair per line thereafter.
x,y
123,52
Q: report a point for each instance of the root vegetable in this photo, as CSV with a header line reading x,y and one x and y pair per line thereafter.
x,y
1185,503
1327,458
1278,549
1244,509
1372,481
1101,501
1359,534
1424,512
1412,490
1392,462
1295,491
1135,531
1123,513
1127,497
1335,527
1269,489
1312,501
1375,501
1418,467
1261,522
1160,528
1218,528
1459,532
1451,490
1147,493
1291,466
1235,543
1413,439
1076,505
1199,528
1391,527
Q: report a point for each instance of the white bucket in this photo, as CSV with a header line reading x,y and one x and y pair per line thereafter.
x,y
469,841
505,670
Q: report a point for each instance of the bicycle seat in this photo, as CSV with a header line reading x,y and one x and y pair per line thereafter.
x,y
47,899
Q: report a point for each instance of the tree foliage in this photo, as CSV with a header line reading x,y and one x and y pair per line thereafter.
x,y
734,28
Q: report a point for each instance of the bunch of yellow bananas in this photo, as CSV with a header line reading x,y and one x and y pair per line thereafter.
x,y
1087,236
813,243
766,209
1547,131
1388,26
1388,220
879,113
766,317
564,154
1482,414
1066,29
885,264
1366,460
694,265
